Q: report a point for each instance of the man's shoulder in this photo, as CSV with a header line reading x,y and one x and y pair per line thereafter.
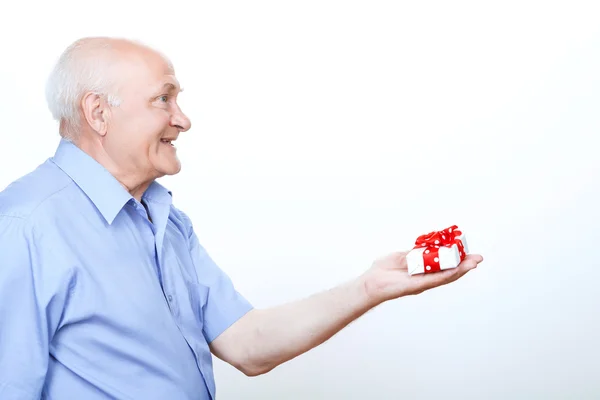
x,y
22,197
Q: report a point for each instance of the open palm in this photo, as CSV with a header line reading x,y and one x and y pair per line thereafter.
x,y
388,277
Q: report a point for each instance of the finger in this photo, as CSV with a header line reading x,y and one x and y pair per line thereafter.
x,y
471,261
428,281
475,257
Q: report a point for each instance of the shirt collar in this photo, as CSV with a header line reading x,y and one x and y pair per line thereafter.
x,y
99,185
158,193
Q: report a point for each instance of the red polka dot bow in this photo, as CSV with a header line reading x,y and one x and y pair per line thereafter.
x,y
433,241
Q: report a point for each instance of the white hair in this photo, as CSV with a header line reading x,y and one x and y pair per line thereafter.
x,y
83,67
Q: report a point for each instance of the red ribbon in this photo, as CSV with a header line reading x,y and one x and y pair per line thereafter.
x,y
433,241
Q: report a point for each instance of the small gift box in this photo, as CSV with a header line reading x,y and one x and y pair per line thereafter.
x,y
436,251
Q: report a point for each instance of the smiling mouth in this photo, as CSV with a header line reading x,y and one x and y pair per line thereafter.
x,y
167,141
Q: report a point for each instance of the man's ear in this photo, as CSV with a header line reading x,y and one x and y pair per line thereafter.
x,y
95,110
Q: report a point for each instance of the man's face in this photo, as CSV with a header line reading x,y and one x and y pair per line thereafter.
x,y
142,128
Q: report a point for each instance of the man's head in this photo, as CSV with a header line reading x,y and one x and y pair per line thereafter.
x,y
117,100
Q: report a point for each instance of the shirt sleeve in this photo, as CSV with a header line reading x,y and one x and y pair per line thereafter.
x,y
224,304
28,316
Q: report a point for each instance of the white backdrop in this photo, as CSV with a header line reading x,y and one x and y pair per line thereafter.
x,y
328,133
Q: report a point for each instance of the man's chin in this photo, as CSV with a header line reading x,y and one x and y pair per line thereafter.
x,y
169,170
173,171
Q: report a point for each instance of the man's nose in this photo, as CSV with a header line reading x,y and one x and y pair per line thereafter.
x,y
181,121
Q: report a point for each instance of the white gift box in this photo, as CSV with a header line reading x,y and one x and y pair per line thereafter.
x,y
448,257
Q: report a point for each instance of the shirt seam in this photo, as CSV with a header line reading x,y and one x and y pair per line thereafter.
x,y
33,211
13,216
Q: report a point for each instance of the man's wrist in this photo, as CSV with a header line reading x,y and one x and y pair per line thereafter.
x,y
370,293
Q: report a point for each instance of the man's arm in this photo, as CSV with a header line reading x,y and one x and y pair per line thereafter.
x,y
28,317
263,339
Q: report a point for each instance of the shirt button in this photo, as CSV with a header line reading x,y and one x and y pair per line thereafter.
x,y
170,297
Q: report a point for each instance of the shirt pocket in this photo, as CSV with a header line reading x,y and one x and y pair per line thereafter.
x,y
198,297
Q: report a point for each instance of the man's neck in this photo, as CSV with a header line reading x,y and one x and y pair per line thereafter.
x,y
130,181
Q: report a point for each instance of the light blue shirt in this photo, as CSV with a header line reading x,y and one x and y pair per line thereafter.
x,y
96,301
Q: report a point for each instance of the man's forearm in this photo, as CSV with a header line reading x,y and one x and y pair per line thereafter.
x,y
267,338
263,339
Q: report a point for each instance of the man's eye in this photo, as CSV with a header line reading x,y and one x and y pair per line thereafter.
x,y
164,98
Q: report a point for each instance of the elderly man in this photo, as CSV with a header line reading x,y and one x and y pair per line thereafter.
x,y
105,290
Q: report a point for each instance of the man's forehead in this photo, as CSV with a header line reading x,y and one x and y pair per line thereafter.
x,y
141,64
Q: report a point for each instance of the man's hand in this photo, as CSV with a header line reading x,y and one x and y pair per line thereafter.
x,y
388,277
264,339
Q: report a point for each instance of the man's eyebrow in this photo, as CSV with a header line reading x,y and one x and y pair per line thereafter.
x,y
171,87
